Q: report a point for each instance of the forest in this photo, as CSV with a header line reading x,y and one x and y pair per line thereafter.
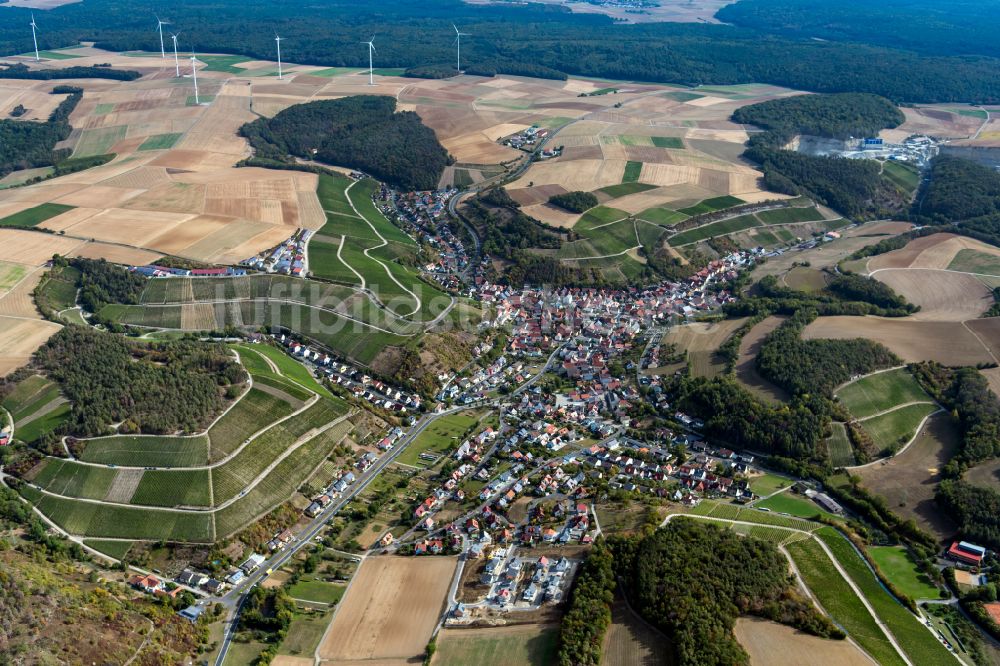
x,y
816,366
102,283
156,388
533,39
961,193
581,632
26,145
976,510
838,116
693,580
852,295
361,132
855,188
966,27
574,202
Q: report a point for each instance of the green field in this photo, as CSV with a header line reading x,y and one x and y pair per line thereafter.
x,y
223,63
894,429
632,172
712,205
682,96
974,261
671,142
35,428
64,477
29,395
304,634
768,484
897,565
713,229
879,392
173,488
161,141
444,434
99,141
839,600
794,505
789,215
57,289
332,193
662,216
839,447
903,175
624,189
598,216
147,451
201,99
361,196
103,109
35,215
919,644
292,369
253,412
11,274
533,645
115,549
318,591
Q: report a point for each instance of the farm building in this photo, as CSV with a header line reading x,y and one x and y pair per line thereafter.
x,y
967,553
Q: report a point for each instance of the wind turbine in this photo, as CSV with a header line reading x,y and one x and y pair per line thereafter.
x,y
458,43
277,41
194,76
371,66
159,28
177,63
34,38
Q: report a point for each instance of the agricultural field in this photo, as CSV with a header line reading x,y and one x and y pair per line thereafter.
x,y
701,341
805,279
907,480
779,645
746,363
880,392
630,640
516,645
444,434
255,411
397,601
839,448
892,430
35,215
768,484
793,505
147,451
897,565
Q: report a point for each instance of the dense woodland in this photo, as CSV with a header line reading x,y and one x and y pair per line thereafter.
x,y
101,283
925,26
532,39
855,188
574,202
693,580
962,194
362,132
839,116
158,388
817,366
852,295
26,145
975,509
581,632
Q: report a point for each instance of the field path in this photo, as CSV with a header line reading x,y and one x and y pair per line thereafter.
x,y
341,247
916,433
392,277
896,407
836,565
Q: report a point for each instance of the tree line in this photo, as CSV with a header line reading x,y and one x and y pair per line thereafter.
x,y
533,39
361,132
574,202
27,145
22,71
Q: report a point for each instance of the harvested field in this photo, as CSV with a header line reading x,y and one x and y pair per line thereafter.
x,y
746,368
773,644
28,247
391,609
950,343
805,279
20,338
700,341
515,645
985,474
941,295
630,641
116,253
908,480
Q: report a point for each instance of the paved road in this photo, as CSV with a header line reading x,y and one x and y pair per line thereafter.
x,y
235,598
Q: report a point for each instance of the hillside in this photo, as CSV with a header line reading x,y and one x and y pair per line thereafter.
x,y
362,132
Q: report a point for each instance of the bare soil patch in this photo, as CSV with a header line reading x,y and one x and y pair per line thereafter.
x,y
700,341
773,644
941,295
390,610
908,480
746,366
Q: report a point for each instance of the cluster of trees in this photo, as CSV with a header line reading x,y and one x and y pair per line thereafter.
x,y
22,71
734,415
774,298
581,632
817,366
976,509
868,290
101,282
362,132
967,394
268,613
962,193
533,39
574,202
26,145
693,580
158,388
837,116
